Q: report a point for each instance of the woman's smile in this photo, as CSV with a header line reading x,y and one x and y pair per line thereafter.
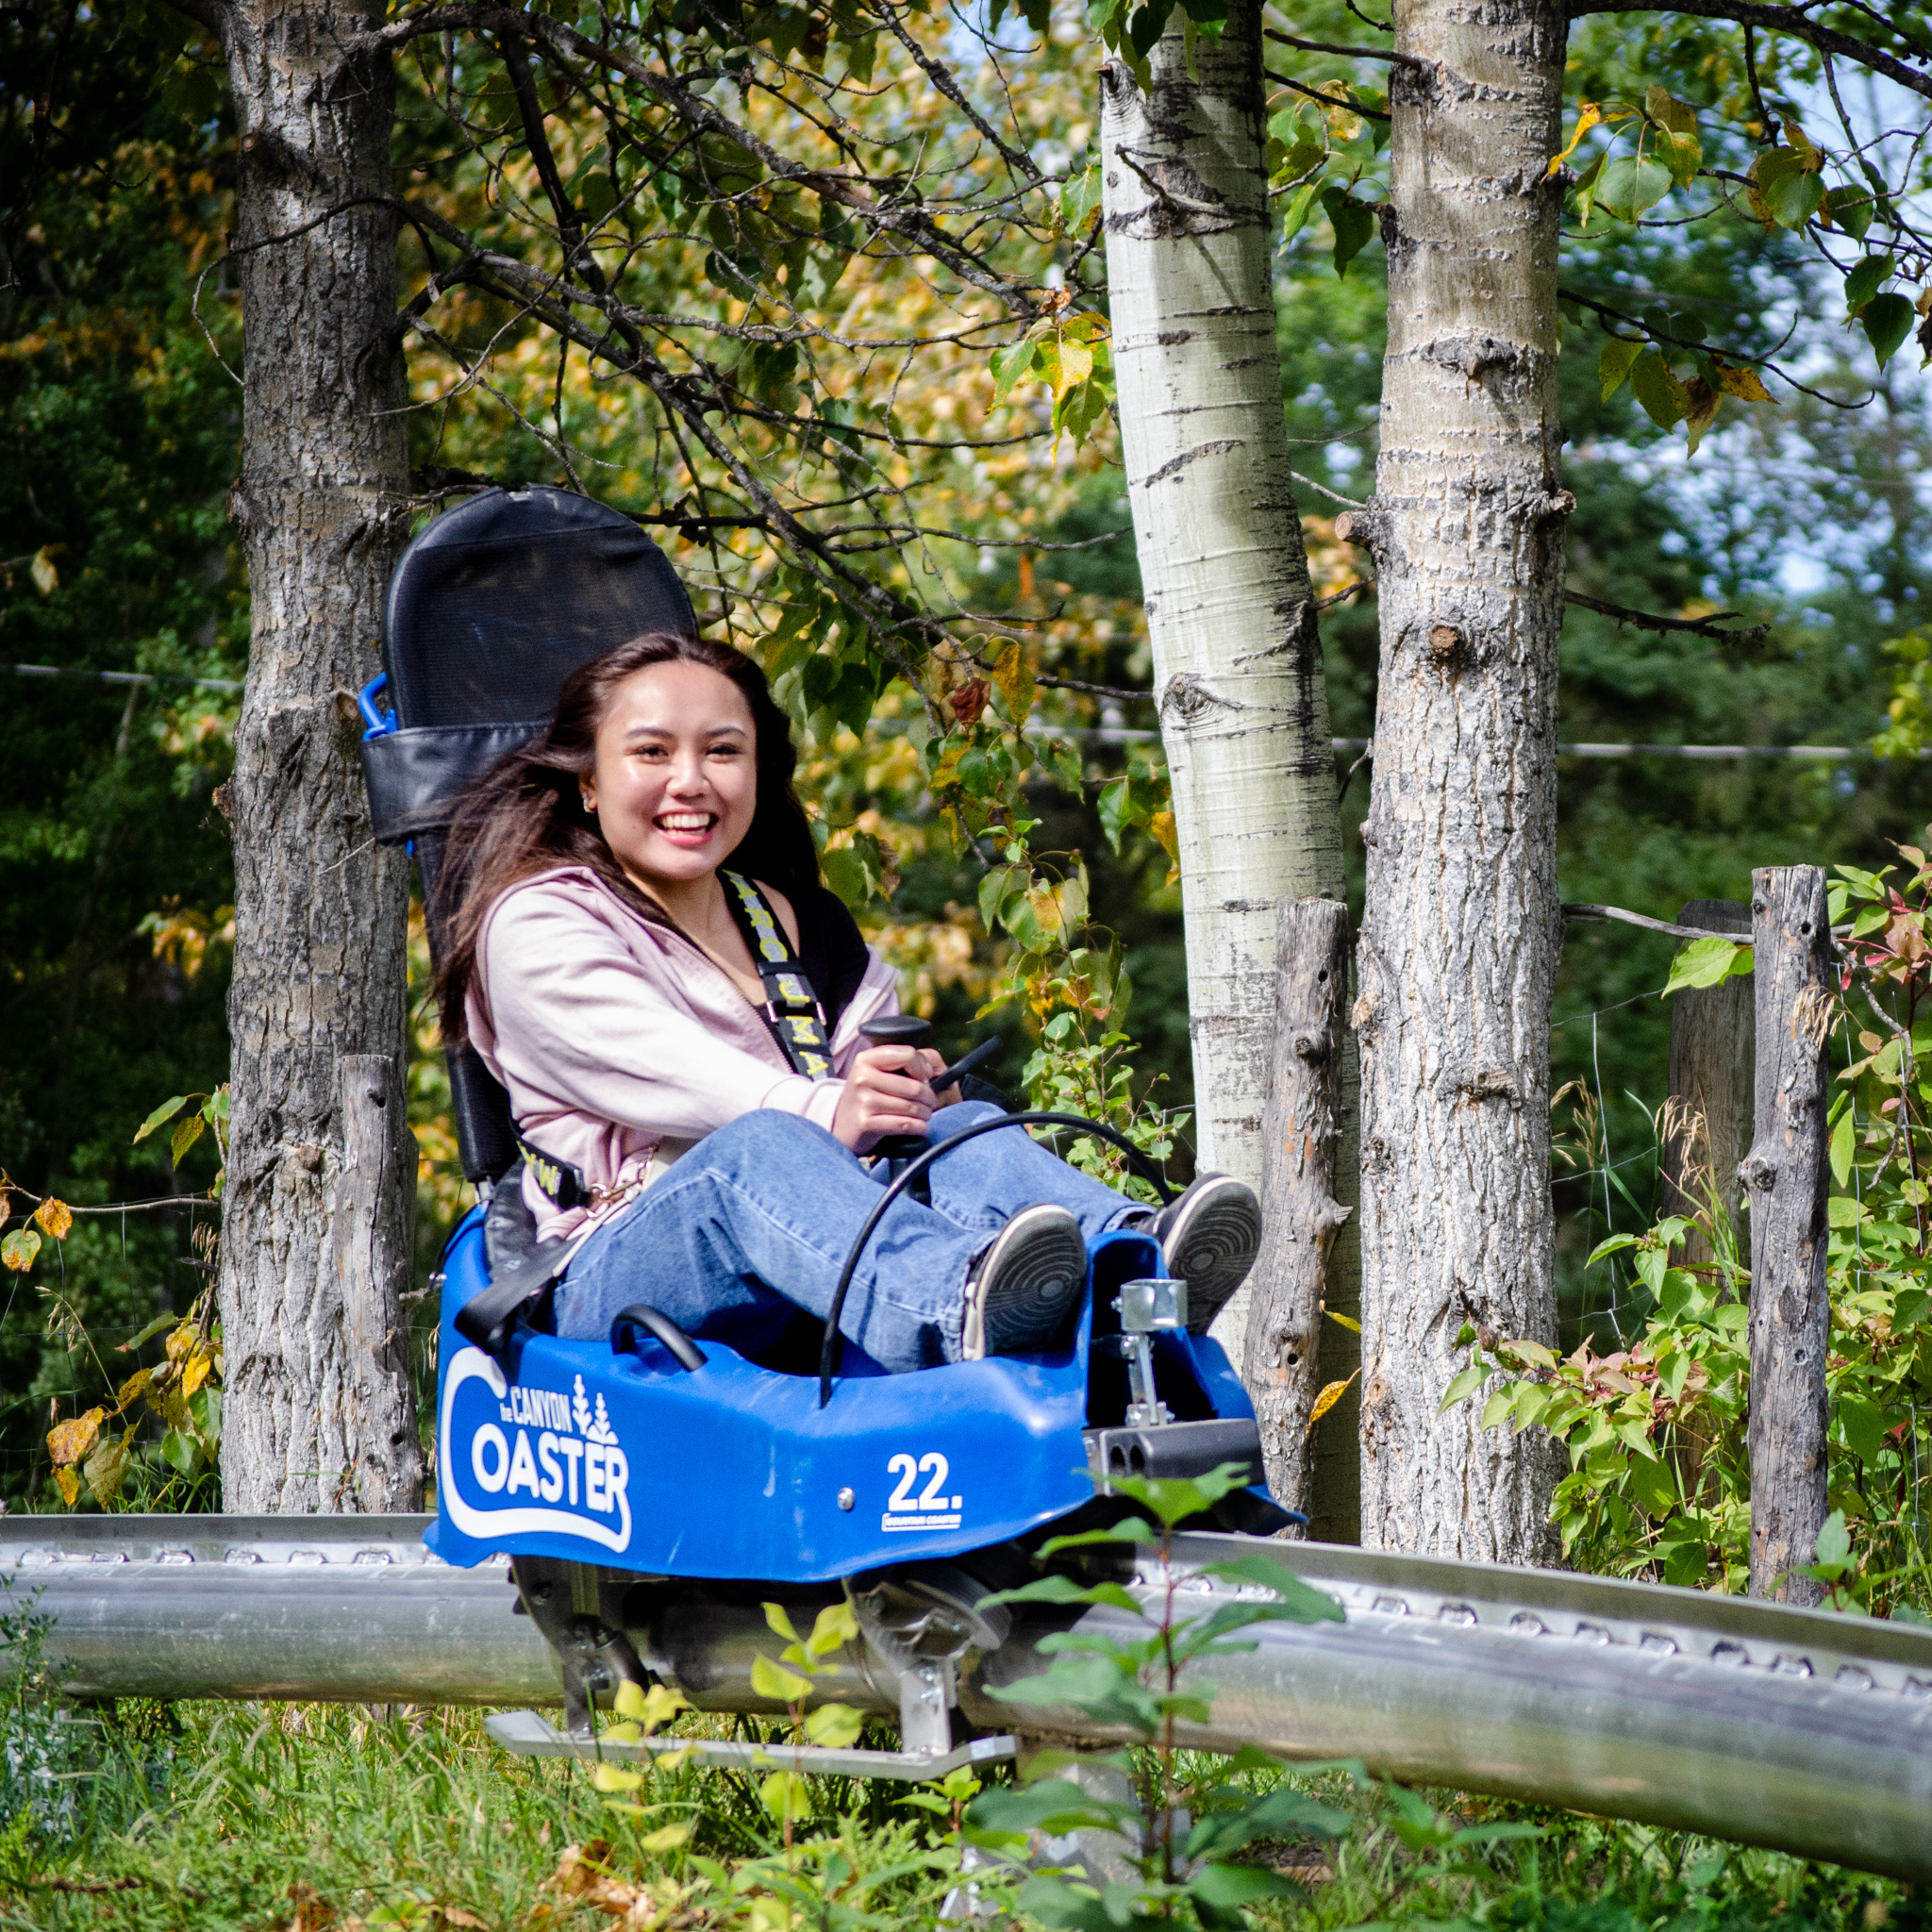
x,y
674,785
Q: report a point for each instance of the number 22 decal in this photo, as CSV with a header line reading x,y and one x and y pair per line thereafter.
x,y
933,1497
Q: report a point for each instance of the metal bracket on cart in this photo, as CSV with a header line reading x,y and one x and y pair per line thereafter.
x,y
920,1624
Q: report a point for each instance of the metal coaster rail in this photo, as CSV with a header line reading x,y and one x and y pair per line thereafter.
x,y
1800,1729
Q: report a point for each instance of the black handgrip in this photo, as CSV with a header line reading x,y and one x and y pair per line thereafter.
x,y
897,1029
623,1335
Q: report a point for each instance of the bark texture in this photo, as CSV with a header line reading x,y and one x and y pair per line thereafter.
x,y
1230,612
1291,1352
1711,1118
1460,938
318,1414
1789,1175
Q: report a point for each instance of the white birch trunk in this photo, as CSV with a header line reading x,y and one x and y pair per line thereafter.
x,y
1230,616
1462,929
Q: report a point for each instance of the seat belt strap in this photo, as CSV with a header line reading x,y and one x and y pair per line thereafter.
x,y
792,1006
559,1183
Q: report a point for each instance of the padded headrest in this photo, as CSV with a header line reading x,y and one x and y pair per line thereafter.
x,y
501,598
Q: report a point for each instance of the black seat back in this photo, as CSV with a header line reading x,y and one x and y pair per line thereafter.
x,y
489,609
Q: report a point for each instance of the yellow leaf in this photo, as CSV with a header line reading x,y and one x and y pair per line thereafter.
x,y
667,1838
181,1341
134,1387
833,1725
46,578
774,1680
629,1701
1162,826
613,1777
836,1627
1014,676
1743,383
785,1794
1348,1321
1588,116
195,1373
622,1734
106,1468
70,1440
662,1704
1328,1398
70,1484
55,1218
1701,410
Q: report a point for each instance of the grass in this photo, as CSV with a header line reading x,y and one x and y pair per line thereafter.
x,y
206,1817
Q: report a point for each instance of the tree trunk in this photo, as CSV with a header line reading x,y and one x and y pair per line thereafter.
x,y
1460,938
1787,1173
1291,1352
1230,612
319,910
1708,1128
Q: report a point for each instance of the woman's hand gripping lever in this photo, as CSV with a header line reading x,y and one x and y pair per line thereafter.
x,y
890,1096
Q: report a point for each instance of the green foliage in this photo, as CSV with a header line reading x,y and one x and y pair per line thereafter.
x,y
1659,1471
1135,1682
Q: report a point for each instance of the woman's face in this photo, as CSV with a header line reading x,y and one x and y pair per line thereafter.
x,y
675,780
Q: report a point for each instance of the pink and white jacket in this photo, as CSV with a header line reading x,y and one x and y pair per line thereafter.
x,y
620,1042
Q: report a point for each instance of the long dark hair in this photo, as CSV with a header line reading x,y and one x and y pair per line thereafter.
x,y
526,815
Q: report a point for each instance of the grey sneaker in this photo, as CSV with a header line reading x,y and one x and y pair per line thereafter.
x,y
1210,1235
1025,1284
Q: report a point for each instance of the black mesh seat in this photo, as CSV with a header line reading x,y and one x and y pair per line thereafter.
x,y
491,608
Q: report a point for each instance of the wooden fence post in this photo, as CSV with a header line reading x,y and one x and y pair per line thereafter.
x,y
1788,1175
1290,1352
372,1257
1711,1060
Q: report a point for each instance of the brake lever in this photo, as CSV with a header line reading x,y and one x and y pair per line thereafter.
x,y
967,1064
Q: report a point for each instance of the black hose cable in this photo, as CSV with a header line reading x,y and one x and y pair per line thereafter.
x,y
828,1351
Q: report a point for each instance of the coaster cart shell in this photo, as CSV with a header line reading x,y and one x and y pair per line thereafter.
x,y
651,1462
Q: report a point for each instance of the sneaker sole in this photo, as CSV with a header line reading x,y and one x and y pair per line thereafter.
x,y
1030,1282
1213,1246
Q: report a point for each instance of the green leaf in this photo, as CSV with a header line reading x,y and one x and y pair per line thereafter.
x,y
1008,365
1664,399
1629,186
1080,199
1613,365
1841,1149
1464,1386
1865,281
180,1451
1228,1888
1299,209
1354,222
1706,962
1787,192
1134,1530
1887,319
1116,809
1052,1806
1863,1425
19,1249
1834,1539
1850,207
1056,1588
161,1115
1304,1604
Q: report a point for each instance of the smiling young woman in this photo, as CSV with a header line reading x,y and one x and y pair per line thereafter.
x,y
610,880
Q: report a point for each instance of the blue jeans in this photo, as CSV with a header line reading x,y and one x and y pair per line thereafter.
x,y
754,1225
